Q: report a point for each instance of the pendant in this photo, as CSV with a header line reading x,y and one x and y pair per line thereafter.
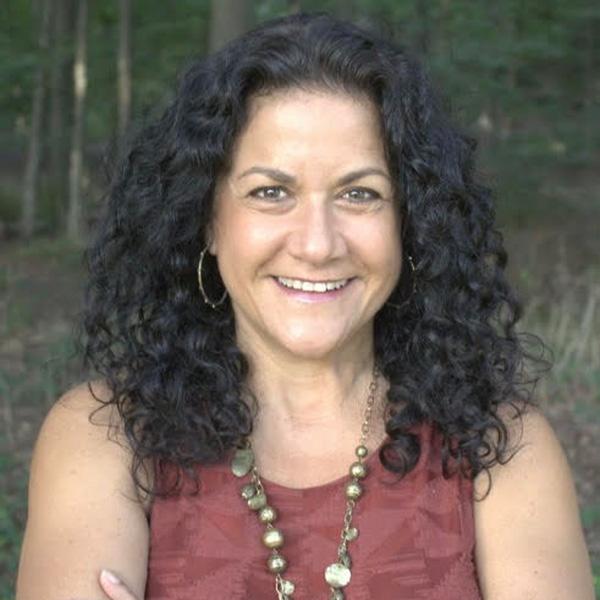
x,y
242,462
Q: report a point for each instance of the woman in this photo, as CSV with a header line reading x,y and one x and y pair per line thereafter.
x,y
296,276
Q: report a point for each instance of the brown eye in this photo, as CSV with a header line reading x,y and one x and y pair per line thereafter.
x,y
266,193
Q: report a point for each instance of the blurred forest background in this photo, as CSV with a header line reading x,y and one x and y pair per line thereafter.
x,y
77,76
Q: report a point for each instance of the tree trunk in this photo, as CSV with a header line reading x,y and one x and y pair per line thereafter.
x,y
32,165
124,68
59,108
74,220
228,19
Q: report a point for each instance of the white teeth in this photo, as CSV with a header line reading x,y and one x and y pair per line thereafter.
x,y
307,286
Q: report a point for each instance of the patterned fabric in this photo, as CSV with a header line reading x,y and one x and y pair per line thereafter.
x,y
416,537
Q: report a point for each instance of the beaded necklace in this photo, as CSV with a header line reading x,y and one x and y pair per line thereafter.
x,y
337,574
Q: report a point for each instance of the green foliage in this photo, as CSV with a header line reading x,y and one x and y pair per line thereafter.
x,y
18,58
13,512
10,203
520,76
525,58
164,36
590,515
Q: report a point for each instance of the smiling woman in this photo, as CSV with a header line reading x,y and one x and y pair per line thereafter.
x,y
307,348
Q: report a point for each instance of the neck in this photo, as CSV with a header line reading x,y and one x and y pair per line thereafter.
x,y
313,402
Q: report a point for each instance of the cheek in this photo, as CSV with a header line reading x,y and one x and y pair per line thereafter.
x,y
380,244
246,241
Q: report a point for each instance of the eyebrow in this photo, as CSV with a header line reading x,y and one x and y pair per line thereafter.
x,y
288,179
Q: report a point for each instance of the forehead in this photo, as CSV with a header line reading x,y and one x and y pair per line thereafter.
x,y
319,125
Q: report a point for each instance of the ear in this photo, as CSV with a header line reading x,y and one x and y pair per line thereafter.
x,y
211,241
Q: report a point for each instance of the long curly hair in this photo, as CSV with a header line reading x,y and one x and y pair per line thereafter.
x,y
445,340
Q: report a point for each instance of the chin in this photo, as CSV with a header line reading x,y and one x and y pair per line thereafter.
x,y
311,349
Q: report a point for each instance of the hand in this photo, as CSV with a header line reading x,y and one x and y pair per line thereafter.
x,y
115,591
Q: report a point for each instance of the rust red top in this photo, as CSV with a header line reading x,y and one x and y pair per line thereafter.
x,y
416,536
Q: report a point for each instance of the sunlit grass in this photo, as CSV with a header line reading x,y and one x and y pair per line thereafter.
x,y
566,315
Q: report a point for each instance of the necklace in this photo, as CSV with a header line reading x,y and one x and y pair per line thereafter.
x,y
337,574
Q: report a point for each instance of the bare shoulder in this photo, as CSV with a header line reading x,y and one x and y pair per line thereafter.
x,y
84,513
82,407
529,539
80,412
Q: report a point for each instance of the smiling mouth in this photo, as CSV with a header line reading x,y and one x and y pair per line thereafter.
x,y
302,285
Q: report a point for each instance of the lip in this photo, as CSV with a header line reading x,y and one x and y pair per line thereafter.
x,y
313,297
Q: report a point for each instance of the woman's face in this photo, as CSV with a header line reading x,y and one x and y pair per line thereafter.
x,y
308,199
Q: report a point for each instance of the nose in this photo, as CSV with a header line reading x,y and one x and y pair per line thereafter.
x,y
316,236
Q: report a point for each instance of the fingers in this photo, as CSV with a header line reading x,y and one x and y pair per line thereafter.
x,y
113,587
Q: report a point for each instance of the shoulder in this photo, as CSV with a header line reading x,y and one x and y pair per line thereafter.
x,y
80,417
529,539
81,503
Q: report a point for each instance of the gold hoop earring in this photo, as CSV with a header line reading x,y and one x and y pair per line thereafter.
x,y
413,269
206,300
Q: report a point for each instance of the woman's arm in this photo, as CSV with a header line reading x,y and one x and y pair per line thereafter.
x,y
81,516
529,539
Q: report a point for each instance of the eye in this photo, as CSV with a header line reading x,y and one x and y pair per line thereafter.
x,y
265,193
359,195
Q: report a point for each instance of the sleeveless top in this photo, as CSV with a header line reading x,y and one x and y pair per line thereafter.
x,y
416,536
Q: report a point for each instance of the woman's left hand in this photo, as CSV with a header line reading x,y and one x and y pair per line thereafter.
x,y
115,590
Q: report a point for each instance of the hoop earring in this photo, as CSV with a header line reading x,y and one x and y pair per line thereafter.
x,y
413,269
206,300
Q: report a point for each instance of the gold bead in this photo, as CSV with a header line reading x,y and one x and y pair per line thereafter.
x,y
276,563
361,451
337,595
248,491
358,470
351,533
257,502
267,514
353,490
272,538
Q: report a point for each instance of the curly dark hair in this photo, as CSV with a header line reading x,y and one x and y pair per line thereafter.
x,y
446,340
